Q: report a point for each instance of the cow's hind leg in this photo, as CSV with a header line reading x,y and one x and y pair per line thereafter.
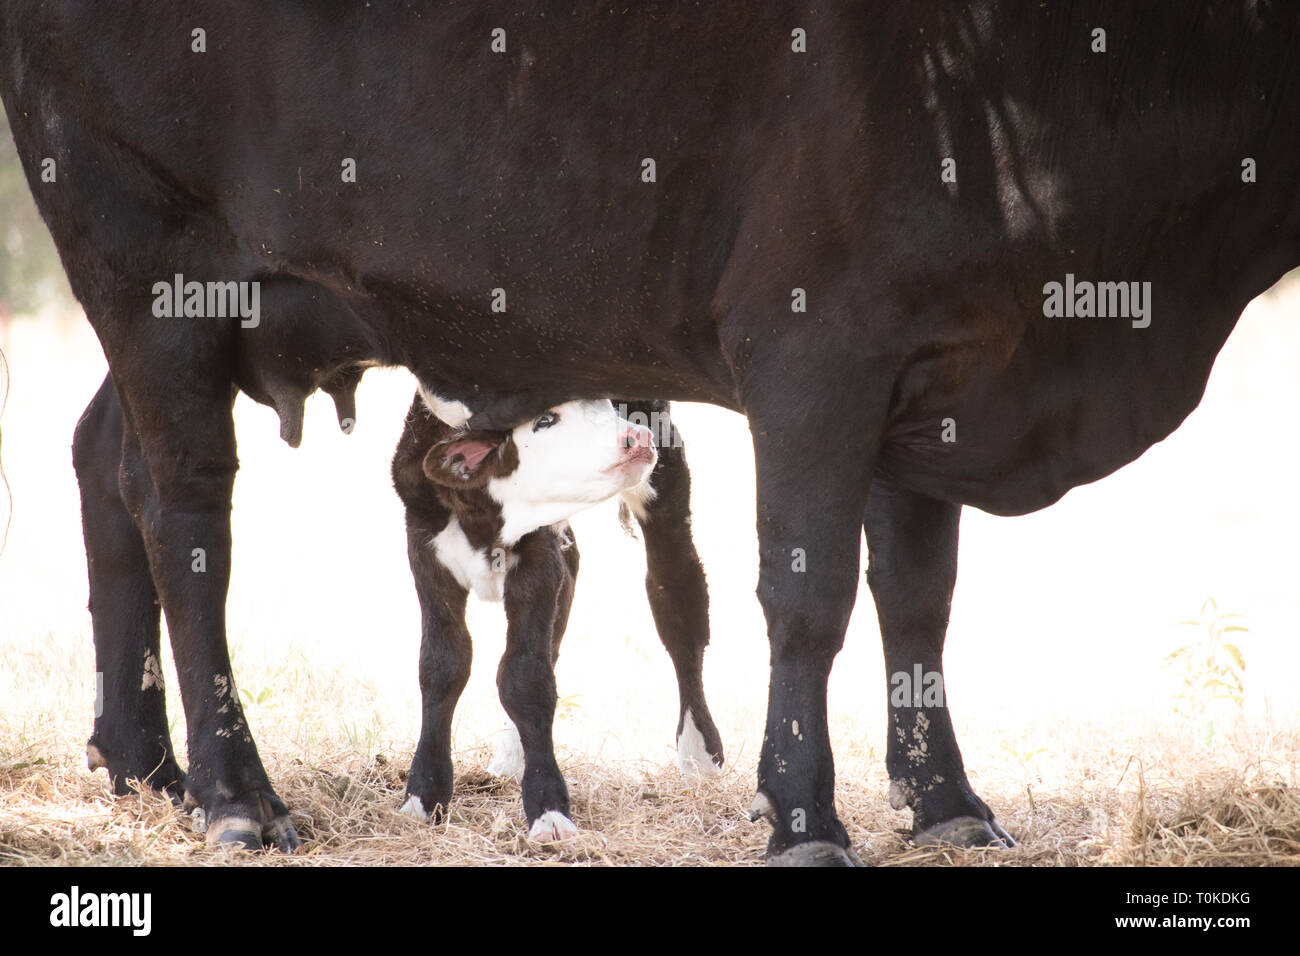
x,y
534,590
912,544
181,454
131,738
678,594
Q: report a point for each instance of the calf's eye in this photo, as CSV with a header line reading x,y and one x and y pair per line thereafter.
x,y
546,420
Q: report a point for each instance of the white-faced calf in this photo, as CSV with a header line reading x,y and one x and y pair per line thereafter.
x,y
487,512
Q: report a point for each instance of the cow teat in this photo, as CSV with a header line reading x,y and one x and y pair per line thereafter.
x,y
343,389
289,404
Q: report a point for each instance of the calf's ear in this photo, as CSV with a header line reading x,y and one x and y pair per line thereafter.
x,y
466,461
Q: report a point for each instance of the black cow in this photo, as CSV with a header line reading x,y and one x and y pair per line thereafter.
x,y
852,222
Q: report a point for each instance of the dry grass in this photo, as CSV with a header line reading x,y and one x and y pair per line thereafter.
x,y
1078,795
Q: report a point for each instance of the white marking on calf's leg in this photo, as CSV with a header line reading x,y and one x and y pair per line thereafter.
x,y
508,758
693,757
414,808
551,827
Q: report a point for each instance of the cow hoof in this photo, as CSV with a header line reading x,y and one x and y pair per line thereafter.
x,y
965,832
414,808
508,758
123,773
246,834
815,853
281,834
273,830
239,832
95,758
552,827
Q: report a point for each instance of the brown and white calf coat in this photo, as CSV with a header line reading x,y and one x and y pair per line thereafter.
x,y
487,512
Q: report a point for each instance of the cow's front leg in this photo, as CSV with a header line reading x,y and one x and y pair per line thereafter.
x,y
131,739
813,462
912,547
526,679
187,443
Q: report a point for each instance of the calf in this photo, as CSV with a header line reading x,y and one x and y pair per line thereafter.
x,y
486,512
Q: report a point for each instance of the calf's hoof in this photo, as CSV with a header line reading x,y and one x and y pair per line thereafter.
x,y
965,832
414,808
699,749
552,827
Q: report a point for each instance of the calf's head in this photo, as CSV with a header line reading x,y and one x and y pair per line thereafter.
x,y
546,470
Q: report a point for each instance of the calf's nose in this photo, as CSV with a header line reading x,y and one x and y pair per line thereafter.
x,y
637,436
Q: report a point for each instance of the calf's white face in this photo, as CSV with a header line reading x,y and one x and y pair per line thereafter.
x,y
571,457
548,469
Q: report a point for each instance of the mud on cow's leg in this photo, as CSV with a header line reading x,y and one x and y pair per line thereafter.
x,y
526,679
131,739
811,484
187,444
912,546
677,591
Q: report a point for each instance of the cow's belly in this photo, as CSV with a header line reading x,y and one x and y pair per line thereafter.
x,y
1018,445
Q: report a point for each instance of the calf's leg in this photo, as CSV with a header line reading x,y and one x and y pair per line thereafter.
x,y
445,647
677,591
445,655
508,754
526,678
